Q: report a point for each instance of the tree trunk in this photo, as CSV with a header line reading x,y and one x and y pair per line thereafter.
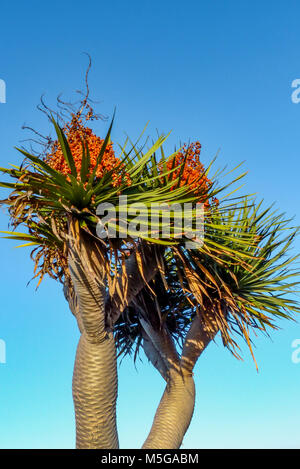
x,y
95,394
95,371
175,410
176,407
173,415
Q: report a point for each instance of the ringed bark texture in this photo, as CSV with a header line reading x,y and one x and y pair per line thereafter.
x,y
95,394
173,415
176,407
95,370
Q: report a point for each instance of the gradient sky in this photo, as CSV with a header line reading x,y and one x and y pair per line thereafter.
x,y
217,71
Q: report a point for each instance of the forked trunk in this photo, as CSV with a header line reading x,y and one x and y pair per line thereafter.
x,y
175,410
95,371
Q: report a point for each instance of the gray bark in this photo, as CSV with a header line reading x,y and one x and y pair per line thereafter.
x,y
132,281
173,415
176,407
95,394
95,370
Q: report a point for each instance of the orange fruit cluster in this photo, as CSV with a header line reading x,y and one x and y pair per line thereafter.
x,y
76,132
193,173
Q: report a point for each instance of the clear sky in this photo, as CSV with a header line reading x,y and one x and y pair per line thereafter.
x,y
217,71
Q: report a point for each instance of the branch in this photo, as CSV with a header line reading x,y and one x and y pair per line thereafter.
x,y
70,296
175,410
163,343
197,339
86,264
154,356
139,269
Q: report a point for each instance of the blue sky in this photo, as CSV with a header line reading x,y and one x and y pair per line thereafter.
x,y
217,71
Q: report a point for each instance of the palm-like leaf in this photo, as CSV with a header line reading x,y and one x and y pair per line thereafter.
x,y
249,294
238,272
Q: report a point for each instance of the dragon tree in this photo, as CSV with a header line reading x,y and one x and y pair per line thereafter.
x,y
152,286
